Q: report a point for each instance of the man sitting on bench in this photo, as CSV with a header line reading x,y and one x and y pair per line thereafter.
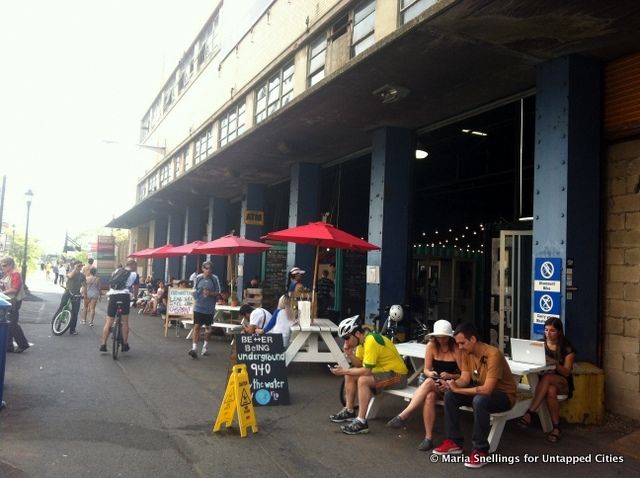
x,y
377,365
486,384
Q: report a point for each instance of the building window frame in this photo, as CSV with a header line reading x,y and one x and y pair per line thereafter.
x,y
410,9
232,123
363,31
202,146
275,92
317,59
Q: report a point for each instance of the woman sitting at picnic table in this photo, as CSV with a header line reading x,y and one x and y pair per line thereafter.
x,y
441,361
559,381
156,299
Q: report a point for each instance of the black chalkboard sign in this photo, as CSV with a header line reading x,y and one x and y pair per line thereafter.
x,y
264,357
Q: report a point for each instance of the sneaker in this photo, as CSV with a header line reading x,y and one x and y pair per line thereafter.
x,y
477,459
355,428
83,322
73,332
125,347
204,352
103,348
448,447
343,415
193,354
425,445
396,422
91,324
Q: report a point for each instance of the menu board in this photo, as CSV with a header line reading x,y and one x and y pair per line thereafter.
x,y
180,302
265,360
275,280
354,283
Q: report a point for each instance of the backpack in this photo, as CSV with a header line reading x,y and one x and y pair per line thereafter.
x,y
119,279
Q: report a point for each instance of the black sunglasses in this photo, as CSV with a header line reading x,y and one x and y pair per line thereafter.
x,y
346,337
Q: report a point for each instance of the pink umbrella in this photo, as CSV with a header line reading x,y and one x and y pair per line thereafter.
x,y
231,245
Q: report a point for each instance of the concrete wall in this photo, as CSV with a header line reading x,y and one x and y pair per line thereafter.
x,y
622,281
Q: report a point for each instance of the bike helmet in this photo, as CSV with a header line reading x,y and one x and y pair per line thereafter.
x,y
396,313
347,326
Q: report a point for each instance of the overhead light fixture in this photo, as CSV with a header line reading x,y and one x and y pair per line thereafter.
x,y
421,154
391,93
525,218
474,132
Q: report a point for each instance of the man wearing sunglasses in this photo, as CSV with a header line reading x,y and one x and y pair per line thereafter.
x,y
376,365
206,288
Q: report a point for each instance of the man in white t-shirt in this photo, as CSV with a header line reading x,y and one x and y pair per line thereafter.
x,y
257,318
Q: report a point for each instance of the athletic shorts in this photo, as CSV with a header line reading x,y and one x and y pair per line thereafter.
x,y
389,381
202,318
113,307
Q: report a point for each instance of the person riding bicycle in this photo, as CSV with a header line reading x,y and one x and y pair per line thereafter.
x,y
377,366
75,282
124,282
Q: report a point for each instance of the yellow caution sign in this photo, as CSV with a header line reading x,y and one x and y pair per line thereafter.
x,y
237,397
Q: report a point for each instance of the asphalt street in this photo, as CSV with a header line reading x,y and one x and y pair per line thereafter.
x,y
74,412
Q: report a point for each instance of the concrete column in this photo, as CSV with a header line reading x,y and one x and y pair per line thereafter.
x,y
192,232
217,228
175,234
303,208
567,189
160,229
389,205
252,200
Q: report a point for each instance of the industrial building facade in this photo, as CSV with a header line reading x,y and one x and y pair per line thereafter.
x,y
471,140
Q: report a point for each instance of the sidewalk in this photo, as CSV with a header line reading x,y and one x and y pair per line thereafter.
x,y
73,412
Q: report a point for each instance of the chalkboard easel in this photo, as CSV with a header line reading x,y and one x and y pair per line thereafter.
x,y
179,306
264,357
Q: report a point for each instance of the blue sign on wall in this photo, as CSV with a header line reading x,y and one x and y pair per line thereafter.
x,y
547,292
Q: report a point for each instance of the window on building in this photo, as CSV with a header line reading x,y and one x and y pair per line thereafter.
x,y
339,27
317,57
203,146
153,182
178,163
163,174
410,9
364,18
276,92
232,124
142,191
188,158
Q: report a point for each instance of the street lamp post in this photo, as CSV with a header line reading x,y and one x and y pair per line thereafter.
x,y
29,197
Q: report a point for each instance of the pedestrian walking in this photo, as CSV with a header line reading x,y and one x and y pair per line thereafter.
x,y
12,286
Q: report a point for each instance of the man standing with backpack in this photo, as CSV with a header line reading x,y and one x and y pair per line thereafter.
x,y
124,281
206,287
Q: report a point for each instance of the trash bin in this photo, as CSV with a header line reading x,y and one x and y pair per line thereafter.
x,y
5,305
587,405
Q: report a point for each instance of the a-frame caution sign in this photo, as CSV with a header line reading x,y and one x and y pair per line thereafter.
x,y
237,397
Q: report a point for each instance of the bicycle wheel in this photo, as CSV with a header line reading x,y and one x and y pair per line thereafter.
x,y
61,322
117,339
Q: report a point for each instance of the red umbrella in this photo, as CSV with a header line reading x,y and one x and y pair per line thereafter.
x,y
154,253
230,245
227,245
183,250
141,251
321,234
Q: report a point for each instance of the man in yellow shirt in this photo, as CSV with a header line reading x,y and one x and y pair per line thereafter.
x,y
376,365
486,384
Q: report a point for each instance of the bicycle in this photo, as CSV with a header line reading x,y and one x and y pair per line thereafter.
x,y
116,331
62,321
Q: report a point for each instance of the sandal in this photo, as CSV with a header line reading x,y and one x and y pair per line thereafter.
x,y
525,420
554,436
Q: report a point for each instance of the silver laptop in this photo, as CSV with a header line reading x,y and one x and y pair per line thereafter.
x,y
528,351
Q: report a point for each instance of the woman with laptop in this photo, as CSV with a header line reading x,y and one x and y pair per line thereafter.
x,y
559,381
441,362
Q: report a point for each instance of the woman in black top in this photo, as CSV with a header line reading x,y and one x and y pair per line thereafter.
x,y
558,381
441,360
